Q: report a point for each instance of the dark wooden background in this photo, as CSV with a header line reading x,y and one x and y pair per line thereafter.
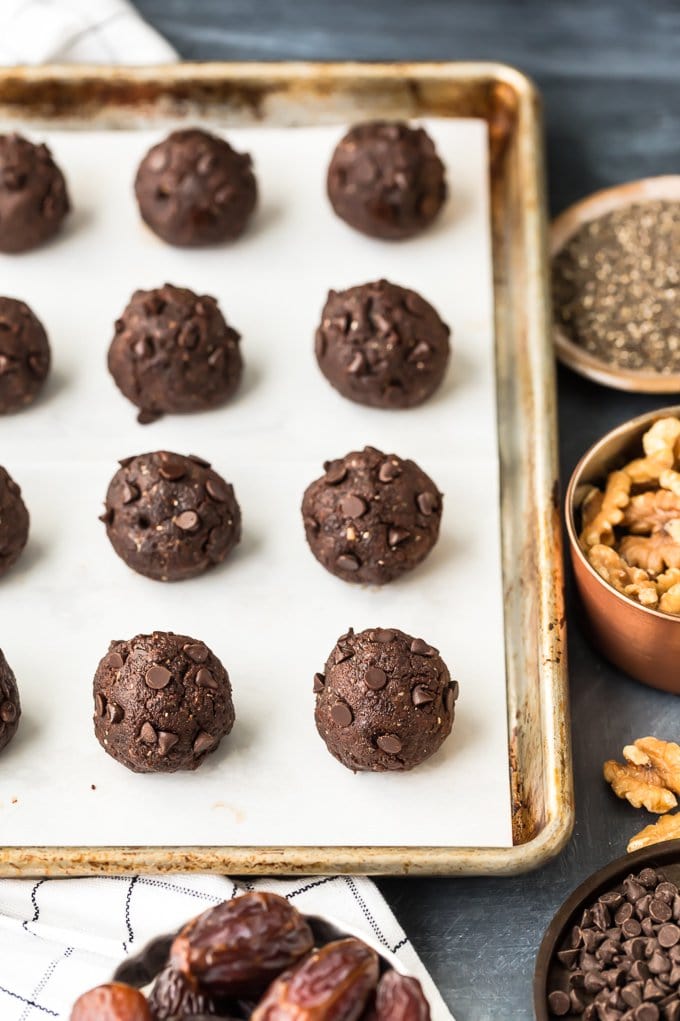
x,y
609,71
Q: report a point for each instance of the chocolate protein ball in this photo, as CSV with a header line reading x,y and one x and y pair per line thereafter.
x,y
382,345
33,196
171,517
24,355
173,352
14,522
161,702
385,702
10,704
194,189
372,516
386,180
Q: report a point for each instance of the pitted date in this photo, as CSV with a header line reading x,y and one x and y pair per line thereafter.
x,y
332,984
237,948
173,995
399,998
113,1002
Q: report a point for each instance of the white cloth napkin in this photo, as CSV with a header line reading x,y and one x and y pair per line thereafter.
x,y
78,31
59,937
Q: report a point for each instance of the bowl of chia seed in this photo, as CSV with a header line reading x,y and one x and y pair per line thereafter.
x,y
615,279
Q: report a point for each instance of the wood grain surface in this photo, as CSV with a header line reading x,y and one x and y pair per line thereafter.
x,y
609,73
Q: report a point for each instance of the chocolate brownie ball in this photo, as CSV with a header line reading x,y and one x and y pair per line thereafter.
x,y
24,355
173,352
194,189
14,522
382,345
33,196
386,700
372,516
162,702
171,517
386,180
10,704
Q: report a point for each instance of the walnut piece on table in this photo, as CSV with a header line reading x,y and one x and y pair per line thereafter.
x,y
641,786
667,827
631,581
600,528
662,756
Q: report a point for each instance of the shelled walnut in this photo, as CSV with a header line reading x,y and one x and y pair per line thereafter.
x,y
649,778
630,530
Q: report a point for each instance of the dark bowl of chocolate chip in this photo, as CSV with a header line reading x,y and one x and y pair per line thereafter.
x,y
612,951
615,277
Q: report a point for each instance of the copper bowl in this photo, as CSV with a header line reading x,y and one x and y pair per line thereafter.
x,y
550,973
561,231
642,642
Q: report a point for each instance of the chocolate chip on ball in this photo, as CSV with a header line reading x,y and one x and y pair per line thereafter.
x,y
33,196
171,517
173,352
372,516
386,180
24,355
382,345
385,701
194,189
14,522
162,702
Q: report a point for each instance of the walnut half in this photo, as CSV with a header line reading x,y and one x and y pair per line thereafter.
x,y
650,776
665,828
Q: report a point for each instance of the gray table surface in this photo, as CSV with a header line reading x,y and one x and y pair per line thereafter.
x,y
609,73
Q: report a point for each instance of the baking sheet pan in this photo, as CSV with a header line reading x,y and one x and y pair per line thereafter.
x,y
537,715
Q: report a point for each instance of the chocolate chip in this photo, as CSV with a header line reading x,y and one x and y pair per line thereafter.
x,y
204,679
395,536
383,635
143,347
218,489
197,652
319,683
623,913
633,890
203,743
113,660
559,1003
99,705
130,493
660,911
115,712
646,1012
199,460
648,878
342,653
352,506
427,503
187,521
389,471
600,916
148,734
347,562
171,468
421,648
389,743
375,678
166,741
8,712
451,696
631,928
157,677
341,714
668,935
658,963
421,695
336,471
568,958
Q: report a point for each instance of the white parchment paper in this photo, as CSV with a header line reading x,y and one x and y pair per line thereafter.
x,y
271,612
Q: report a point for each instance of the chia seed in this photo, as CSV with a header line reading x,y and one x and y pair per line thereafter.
x,y
615,287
